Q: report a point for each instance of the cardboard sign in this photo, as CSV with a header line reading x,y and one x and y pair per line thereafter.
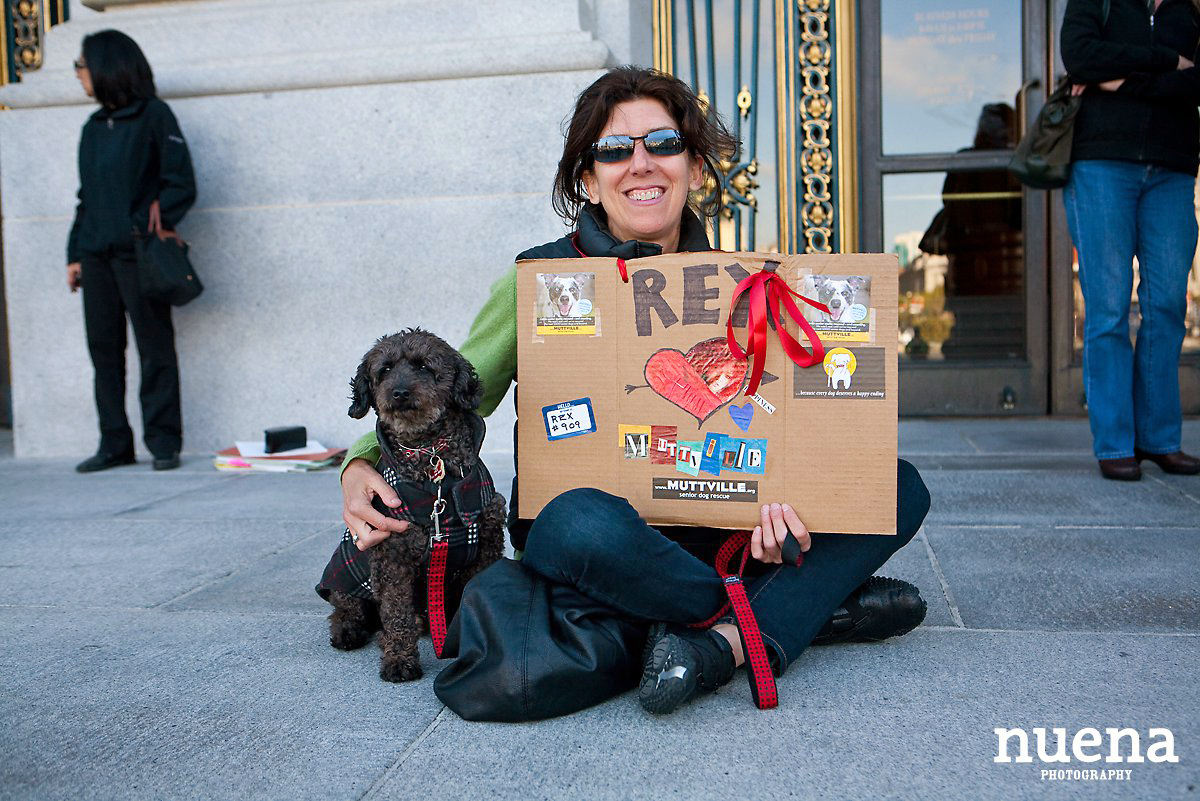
x,y
645,399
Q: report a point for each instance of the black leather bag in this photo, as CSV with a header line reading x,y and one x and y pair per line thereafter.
x,y
164,269
525,648
1042,160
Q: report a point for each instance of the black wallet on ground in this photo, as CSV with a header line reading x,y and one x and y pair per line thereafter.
x,y
285,438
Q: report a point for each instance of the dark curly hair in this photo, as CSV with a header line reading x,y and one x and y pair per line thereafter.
x,y
706,135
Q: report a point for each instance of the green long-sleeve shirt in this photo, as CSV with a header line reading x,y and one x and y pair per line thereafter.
x,y
491,347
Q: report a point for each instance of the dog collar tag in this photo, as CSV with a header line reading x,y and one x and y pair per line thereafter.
x,y
437,469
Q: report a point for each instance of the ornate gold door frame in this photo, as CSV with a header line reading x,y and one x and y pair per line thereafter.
x,y
25,24
813,68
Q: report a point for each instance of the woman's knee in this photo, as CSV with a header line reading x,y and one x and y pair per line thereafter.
x,y
575,525
912,500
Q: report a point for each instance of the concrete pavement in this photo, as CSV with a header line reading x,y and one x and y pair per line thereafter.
x,y
161,640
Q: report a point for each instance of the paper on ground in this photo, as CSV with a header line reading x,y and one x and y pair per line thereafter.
x,y
259,449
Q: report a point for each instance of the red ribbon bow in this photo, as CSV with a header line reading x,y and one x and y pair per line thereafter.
x,y
767,292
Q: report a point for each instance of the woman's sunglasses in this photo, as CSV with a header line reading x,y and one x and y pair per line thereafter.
x,y
612,149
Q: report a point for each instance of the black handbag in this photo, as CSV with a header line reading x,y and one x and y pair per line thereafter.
x,y
1042,159
525,648
165,272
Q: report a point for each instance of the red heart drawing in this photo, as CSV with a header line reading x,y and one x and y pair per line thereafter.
x,y
700,381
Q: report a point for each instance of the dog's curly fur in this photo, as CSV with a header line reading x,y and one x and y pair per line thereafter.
x,y
422,390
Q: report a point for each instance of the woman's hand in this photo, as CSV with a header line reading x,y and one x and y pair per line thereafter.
x,y
1107,86
1184,64
778,521
74,275
154,220
361,484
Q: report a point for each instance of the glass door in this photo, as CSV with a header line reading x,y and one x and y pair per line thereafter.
x,y
947,87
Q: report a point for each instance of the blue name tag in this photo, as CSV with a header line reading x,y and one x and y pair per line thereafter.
x,y
569,419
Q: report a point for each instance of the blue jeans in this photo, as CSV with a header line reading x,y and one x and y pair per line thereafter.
x,y
1117,211
599,544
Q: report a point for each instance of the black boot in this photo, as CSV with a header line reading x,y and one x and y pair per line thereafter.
x,y
680,664
880,608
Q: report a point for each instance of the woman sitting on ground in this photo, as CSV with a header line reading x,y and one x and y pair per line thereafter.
x,y
638,145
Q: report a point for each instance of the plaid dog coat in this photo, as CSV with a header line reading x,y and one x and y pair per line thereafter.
x,y
466,495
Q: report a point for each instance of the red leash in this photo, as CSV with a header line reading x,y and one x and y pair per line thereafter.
x,y
435,583
758,665
439,549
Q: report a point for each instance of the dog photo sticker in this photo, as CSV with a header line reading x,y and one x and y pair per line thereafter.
x,y
849,300
569,419
844,373
566,304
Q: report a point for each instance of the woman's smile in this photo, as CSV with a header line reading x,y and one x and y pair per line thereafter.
x,y
644,195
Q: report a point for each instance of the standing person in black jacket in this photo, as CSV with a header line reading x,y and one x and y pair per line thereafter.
x,y
135,175
1131,194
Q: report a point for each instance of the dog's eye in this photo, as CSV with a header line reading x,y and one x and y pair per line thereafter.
x,y
387,368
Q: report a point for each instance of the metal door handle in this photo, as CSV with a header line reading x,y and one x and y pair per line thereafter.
x,y
1022,126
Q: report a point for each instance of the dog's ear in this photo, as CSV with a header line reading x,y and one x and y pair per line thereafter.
x,y
856,281
549,279
581,279
360,391
818,281
468,389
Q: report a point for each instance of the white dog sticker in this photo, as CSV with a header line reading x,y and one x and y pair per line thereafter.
x,y
563,294
839,366
839,295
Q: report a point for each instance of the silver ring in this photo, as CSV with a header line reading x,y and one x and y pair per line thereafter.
x,y
354,537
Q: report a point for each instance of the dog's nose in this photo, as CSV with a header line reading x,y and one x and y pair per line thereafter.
x,y
399,394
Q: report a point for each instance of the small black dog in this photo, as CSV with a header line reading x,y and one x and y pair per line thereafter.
x,y
425,395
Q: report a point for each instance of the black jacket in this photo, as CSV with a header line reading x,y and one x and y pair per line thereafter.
x,y
1152,118
593,239
129,157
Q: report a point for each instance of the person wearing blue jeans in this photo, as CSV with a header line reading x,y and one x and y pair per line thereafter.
x,y
1131,194
636,152
1116,210
599,544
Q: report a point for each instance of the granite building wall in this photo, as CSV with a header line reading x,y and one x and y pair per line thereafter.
x,y
362,166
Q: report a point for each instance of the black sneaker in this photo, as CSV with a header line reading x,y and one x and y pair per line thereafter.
x,y
103,461
880,608
681,664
